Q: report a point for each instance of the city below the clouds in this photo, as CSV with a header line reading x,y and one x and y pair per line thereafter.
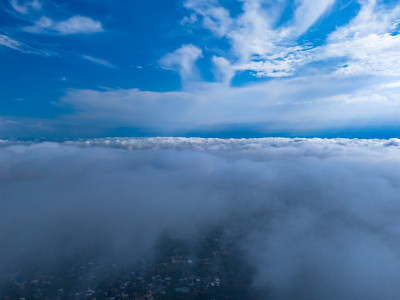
x,y
199,149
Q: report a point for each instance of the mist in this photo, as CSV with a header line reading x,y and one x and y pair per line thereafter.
x,y
318,218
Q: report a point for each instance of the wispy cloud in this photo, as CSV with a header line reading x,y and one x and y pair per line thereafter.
x,y
391,85
213,17
367,42
98,61
6,41
73,25
13,44
24,7
307,13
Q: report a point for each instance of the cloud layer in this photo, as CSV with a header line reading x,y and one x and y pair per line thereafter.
x,y
320,217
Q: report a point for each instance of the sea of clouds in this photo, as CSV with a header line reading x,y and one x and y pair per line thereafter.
x,y
320,217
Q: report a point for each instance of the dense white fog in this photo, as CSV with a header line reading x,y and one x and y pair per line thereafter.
x,y
321,218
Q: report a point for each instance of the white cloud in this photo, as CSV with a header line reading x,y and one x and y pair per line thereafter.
x,y
307,13
78,24
183,60
252,33
44,23
365,97
391,85
366,42
269,146
276,106
256,44
223,70
73,25
370,55
214,17
26,6
373,18
281,64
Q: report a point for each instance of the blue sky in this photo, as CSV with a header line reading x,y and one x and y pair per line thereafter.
x,y
245,68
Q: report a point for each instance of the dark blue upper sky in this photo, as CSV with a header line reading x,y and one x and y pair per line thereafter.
x,y
207,68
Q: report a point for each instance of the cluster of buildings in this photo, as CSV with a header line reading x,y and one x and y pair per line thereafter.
x,y
175,279
212,275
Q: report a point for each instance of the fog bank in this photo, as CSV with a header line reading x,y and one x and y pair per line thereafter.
x,y
321,217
